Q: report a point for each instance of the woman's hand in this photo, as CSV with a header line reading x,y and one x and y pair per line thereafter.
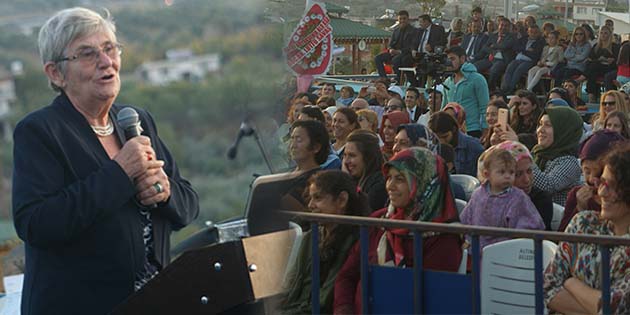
x,y
509,134
496,135
153,186
582,196
137,156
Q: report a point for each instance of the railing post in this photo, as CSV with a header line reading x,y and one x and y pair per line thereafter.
x,y
538,275
315,269
365,296
605,269
476,275
418,300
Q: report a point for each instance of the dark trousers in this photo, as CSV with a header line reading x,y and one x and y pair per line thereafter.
x,y
496,68
397,61
594,70
474,133
561,73
609,77
515,70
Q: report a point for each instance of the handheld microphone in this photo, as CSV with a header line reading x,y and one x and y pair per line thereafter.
x,y
244,131
129,121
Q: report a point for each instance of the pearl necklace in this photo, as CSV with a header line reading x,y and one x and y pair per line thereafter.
x,y
104,131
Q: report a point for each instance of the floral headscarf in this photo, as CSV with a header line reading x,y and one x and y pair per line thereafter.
x,y
418,132
460,114
430,194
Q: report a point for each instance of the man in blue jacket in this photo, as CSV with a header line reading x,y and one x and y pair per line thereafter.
x,y
468,88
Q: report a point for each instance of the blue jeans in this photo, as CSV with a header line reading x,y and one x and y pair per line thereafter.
x,y
515,70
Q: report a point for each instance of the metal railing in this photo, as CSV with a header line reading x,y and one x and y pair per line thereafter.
x,y
604,242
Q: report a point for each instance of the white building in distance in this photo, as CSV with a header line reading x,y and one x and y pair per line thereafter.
x,y
180,65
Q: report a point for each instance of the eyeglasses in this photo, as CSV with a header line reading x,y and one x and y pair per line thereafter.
x,y
91,54
609,103
390,108
576,34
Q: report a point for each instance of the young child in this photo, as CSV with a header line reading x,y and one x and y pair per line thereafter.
x,y
496,203
552,54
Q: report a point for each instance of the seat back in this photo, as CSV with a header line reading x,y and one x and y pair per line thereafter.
x,y
507,276
558,213
467,182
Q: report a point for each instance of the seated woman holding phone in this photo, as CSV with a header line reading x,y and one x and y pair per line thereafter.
x,y
524,120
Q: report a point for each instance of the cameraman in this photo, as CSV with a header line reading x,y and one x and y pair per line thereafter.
x,y
468,88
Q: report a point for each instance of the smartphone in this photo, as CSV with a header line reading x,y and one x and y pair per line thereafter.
x,y
504,118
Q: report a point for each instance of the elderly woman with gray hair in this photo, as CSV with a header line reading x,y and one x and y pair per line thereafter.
x,y
95,211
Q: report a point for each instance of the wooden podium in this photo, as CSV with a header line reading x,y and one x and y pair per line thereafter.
x,y
216,278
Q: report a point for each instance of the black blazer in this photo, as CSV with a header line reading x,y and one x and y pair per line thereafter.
x,y
75,209
437,36
506,46
480,41
406,40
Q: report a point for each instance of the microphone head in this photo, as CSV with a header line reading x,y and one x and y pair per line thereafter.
x,y
231,153
129,121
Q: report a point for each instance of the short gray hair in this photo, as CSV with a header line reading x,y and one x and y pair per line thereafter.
x,y
66,26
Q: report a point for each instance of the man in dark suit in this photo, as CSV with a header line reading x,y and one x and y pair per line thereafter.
x,y
530,48
474,42
404,39
412,102
430,36
497,53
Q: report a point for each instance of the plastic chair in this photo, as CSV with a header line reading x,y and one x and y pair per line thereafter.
x,y
463,263
297,242
507,276
558,213
467,182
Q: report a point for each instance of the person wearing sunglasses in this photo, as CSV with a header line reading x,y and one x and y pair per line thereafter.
x,y
95,210
576,55
610,101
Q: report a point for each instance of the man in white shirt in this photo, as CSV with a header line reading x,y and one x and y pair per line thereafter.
x,y
412,99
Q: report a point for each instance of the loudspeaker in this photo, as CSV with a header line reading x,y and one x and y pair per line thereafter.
x,y
216,278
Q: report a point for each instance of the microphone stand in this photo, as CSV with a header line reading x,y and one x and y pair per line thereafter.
x,y
263,152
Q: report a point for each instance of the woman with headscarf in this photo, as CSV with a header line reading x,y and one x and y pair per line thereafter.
x,y
556,169
415,135
389,125
458,112
584,197
418,189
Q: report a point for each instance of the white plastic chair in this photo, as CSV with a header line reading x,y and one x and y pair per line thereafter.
x,y
507,276
467,182
463,263
460,204
558,213
297,241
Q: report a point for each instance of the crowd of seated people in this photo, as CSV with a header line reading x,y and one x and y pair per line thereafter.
x,y
400,144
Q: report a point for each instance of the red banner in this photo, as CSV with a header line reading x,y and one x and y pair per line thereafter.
x,y
309,49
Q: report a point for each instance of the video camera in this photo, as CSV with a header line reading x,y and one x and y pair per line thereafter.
x,y
433,64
